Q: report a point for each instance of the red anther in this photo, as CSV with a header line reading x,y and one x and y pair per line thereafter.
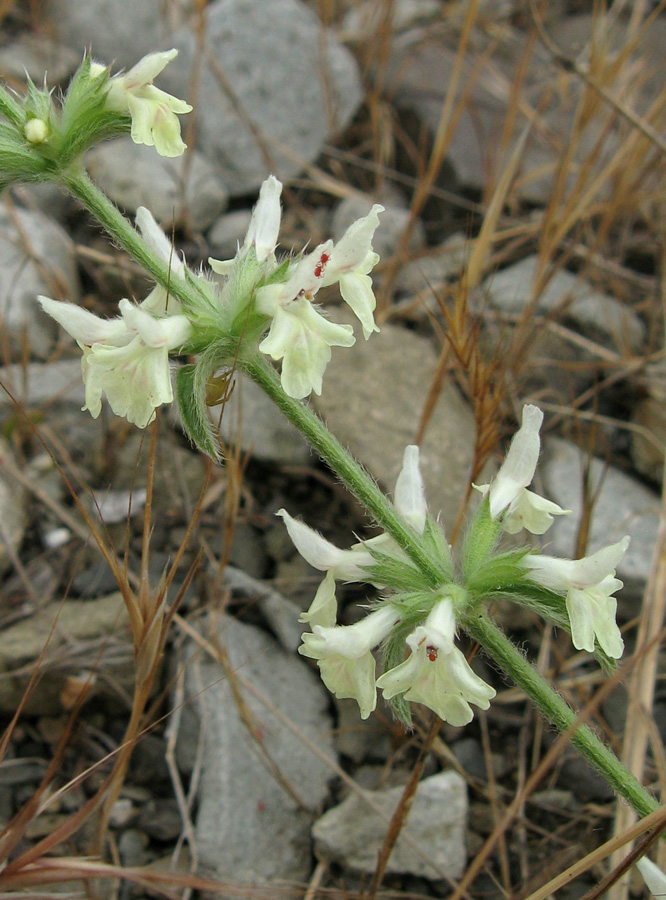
x,y
431,653
319,268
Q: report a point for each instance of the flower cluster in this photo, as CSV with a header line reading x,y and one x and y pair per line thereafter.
x,y
299,334
416,623
127,358
436,672
259,299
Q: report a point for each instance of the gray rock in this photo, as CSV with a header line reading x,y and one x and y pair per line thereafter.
x,y
249,826
431,845
253,420
228,232
585,783
649,415
360,739
274,86
185,189
13,508
366,17
419,73
36,257
43,383
37,56
571,298
161,819
80,635
622,506
392,223
281,614
428,273
46,197
116,31
372,400
132,847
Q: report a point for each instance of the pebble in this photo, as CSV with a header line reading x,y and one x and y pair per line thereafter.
x,y
248,824
293,101
36,257
116,31
186,190
623,505
431,845
13,508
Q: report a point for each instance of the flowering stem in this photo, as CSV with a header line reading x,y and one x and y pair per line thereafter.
x,y
96,202
498,647
343,464
558,712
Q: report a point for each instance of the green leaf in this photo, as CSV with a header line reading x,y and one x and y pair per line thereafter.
x,y
193,411
480,540
435,540
502,572
396,573
392,654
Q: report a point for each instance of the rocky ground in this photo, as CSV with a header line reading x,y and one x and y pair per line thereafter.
x,y
529,269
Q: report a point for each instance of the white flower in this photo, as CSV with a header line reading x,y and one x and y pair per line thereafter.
x,y
350,262
127,358
436,673
154,113
264,228
344,652
352,565
653,877
589,584
300,336
508,492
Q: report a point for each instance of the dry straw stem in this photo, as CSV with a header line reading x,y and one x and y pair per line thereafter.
x,y
643,681
150,619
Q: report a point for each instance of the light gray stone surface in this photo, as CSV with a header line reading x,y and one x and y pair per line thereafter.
x,y
117,31
13,508
36,383
249,828
372,400
353,832
81,635
228,232
594,313
36,257
392,223
251,418
280,614
38,56
275,85
182,190
623,505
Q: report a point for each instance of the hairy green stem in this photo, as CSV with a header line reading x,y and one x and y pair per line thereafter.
x,y
76,180
344,465
558,712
